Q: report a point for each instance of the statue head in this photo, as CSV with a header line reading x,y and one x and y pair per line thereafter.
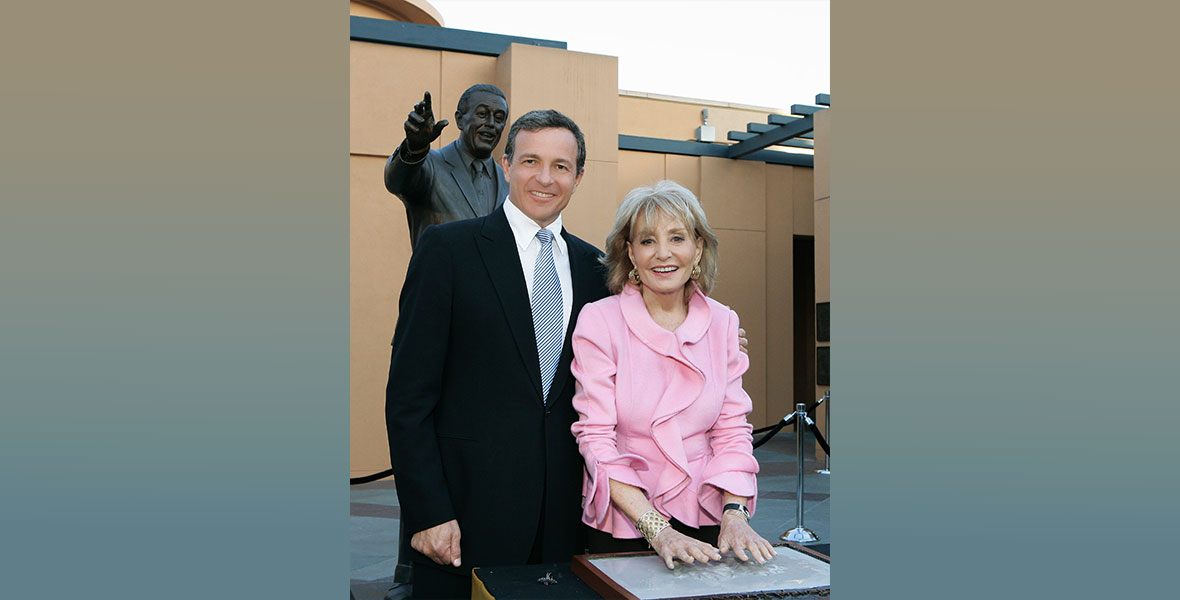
x,y
481,115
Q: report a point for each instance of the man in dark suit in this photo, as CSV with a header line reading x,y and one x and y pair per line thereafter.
x,y
478,403
460,181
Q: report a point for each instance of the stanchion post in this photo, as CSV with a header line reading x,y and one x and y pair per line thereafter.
x,y
827,402
799,533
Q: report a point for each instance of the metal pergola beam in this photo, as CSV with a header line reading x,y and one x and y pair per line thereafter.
x,y
773,137
664,146
781,119
764,127
823,99
805,110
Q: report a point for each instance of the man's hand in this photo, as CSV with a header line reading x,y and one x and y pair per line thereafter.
x,y
441,542
742,341
421,129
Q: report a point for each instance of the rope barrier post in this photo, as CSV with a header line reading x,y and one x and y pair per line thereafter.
x,y
799,533
827,402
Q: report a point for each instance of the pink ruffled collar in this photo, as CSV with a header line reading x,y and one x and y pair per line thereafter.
x,y
668,343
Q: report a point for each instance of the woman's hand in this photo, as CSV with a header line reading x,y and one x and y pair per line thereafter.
x,y
737,535
671,544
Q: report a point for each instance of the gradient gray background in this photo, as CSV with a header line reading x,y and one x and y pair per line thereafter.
x,y
174,305
1004,299
173,313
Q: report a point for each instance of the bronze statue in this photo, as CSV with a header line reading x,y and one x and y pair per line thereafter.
x,y
460,181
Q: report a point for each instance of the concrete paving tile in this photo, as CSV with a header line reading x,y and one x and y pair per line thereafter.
x,y
385,548
380,535
820,513
359,560
370,590
378,570
374,496
370,509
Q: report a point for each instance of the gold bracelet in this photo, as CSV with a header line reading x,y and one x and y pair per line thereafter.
x,y
650,524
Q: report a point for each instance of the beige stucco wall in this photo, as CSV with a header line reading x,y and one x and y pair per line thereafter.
x,y
755,208
823,287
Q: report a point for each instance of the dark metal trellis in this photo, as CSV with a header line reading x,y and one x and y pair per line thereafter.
x,y
779,130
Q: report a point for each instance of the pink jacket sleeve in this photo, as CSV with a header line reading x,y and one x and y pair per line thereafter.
x,y
594,367
732,467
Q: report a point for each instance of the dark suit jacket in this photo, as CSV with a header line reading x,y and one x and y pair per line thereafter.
x,y
438,189
469,435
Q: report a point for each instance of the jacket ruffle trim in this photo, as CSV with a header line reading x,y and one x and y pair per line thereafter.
x,y
597,509
732,472
675,477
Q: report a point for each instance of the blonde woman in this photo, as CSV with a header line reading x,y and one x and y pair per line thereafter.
x,y
662,414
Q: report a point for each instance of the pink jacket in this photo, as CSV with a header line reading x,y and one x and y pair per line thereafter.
x,y
663,411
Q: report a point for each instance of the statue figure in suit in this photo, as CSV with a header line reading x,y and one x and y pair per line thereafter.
x,y
460,181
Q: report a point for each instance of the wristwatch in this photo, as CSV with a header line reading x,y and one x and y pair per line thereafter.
x,y
745,512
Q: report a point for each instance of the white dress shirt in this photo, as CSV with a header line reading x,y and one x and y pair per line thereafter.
x,y
528,246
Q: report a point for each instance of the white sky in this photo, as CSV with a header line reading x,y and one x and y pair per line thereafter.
x,y
769,53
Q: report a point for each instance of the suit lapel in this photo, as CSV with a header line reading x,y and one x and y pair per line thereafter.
x,y
497,248
462,176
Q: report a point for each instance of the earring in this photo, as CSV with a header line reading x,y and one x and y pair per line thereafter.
x,y
634,276
696,272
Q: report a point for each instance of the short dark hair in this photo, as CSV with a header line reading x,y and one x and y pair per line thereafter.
x,y
475,89
536,120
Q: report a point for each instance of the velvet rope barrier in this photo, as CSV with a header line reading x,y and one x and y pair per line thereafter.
x,y
370,478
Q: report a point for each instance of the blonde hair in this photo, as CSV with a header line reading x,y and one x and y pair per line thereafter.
x,y
669,198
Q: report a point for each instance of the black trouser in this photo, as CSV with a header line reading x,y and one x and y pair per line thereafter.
x,y
403,572
432,582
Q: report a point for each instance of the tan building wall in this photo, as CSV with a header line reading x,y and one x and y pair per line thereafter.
x,y
823,287
754,207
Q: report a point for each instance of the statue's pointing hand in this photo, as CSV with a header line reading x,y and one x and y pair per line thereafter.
x,y
421,129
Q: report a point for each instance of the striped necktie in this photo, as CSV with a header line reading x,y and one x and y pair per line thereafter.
x,y
547,310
